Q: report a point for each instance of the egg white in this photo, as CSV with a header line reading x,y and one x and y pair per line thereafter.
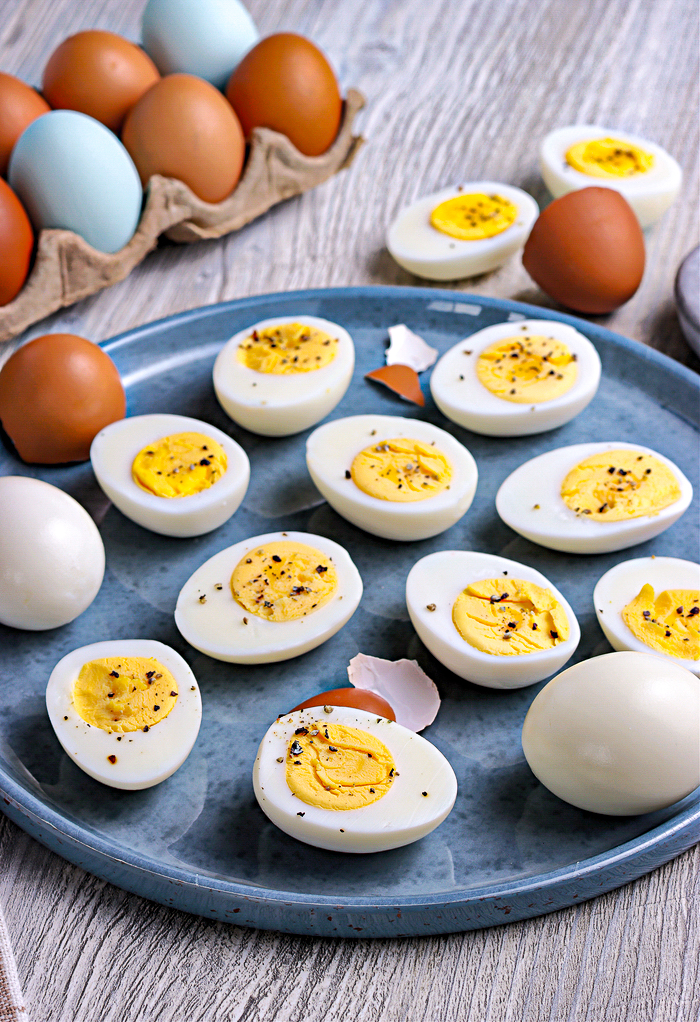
x,y
143,758
216,626
331,449
112,455
424,250
554,525
438,579
400,817
282,404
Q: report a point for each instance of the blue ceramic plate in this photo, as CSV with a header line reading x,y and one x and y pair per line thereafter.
x,y
198,842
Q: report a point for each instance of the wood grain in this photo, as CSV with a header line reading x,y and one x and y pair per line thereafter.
x,y
456,89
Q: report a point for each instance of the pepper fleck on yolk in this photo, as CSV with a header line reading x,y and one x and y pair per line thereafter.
x,y
609,157
474,217
509,617
401,470
669,623
124,693
287,348
179,465
333,766
283,580
527,370
614,486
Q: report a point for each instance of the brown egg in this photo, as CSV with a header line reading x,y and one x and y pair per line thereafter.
x,y
56,394
19,106
586,250
184,128
16,244
357,698
285,83
100,74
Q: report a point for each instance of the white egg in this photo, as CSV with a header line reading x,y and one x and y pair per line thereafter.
x,y
462,397
52,559
279,404
618,734
428,252
530,502
141,758
113,452
331,449
421,795
649,193
211,619
433,585
622,584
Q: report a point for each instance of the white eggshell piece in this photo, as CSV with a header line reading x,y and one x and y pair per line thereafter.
x,y
408,349
412,695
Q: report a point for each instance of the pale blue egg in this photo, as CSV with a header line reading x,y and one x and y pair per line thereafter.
x,y
71,172
206,38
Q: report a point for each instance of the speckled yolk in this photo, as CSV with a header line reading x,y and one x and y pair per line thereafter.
x,y
179,465
609,158
506,618
527,370
124,693
401,470
333,766
284,580
474,217
287,348
668,623
613,486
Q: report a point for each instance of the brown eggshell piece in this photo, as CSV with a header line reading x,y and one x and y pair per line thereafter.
x,y
586,250
16,244
184,128
19,106
403,380
56,394
286,83
357,698
100,74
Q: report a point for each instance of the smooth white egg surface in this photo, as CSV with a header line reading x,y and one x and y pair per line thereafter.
x,y
277,400
423,249
212,620
434,584
676,620
530,501
421,786
547,373
618,734
112,455
121,758
650,186
332,453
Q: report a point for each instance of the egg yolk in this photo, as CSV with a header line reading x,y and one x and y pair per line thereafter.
x,y
616,485
333,766
287,348
179,465
507,618
609,157
668,623
124,693
474,217
283,580
401,470
527,370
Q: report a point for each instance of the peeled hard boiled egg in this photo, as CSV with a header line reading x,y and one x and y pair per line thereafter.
x,y
169,473
269,598
514,379
594,498
282,375
126,711
349,781
650,605
490,620
618,734
462,231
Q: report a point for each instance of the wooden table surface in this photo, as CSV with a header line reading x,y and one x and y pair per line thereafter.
x,y
455,89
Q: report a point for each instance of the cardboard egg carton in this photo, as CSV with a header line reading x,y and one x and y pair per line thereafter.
x,y
67,269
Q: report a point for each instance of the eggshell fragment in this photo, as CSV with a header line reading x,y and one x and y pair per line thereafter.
x,y
408,349
357,698
402,683
19,106
402,379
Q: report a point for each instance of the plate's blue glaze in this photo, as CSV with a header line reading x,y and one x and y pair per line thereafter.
x,y
198,842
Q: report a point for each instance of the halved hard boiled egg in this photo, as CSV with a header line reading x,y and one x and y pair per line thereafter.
x,y
269,598
398,478
350,781
652,605
490,620
282,375
594,498
171,474
462,231
582,155
514,379
126,711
